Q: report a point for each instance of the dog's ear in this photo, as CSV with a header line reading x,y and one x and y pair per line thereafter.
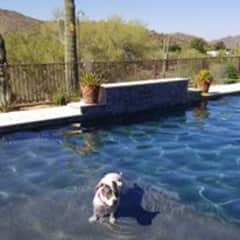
x,y
119,184
115,188
99,185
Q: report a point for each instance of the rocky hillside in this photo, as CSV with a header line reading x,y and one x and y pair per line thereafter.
x,y
231,41
11,21
180,39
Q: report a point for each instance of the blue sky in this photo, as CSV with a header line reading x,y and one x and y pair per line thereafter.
x,y
210,19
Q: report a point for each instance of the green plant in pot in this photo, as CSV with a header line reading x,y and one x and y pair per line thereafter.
x,y
90,85
203,80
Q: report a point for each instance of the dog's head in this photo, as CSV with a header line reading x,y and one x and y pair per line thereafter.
x,y
109,193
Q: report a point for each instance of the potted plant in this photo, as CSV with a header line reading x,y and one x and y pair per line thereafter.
x,y
203,80
90,85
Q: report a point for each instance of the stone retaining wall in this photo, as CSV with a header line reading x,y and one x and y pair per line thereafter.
x,y
140,96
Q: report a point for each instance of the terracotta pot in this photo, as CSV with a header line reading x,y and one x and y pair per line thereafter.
x,y
90,93
204,86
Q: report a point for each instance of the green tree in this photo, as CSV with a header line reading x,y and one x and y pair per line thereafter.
x,y
175,48
220,45
199,44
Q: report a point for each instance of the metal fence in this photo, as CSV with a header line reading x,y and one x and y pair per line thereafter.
x,y
36,83
33,83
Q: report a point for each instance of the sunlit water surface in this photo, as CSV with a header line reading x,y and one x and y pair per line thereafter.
x,y
193,155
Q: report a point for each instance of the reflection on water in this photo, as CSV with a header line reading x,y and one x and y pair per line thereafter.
x,y
89,142
201,111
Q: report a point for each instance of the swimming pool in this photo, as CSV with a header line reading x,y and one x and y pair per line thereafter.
x,y
192,157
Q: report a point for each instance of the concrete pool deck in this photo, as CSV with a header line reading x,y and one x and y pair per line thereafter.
x,y
28,119
52,116
217,91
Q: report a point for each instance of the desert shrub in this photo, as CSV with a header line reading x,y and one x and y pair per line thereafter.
x,y
107,40
59,99
220,45
40,44
229,80
116,40
224,72
230,72
199,44
190,53
175,48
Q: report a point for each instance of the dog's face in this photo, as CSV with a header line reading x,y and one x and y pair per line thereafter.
x,y
109,193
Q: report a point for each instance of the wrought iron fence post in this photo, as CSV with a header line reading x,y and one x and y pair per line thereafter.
x,y
165,65
238,64
204,63
4,94
156,70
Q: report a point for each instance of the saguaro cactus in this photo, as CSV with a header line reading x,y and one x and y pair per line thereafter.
x,y
3,75
3,55
166,55
71,67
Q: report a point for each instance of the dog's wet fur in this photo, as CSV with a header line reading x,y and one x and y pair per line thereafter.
x,y
106,199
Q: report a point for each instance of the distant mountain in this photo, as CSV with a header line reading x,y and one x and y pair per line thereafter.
x,y
230,41
180,39
11,21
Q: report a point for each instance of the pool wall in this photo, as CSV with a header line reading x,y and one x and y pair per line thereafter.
x,y
134,97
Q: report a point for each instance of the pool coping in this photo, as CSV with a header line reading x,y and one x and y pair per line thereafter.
x,y
72,113
218,91
38,118
142,82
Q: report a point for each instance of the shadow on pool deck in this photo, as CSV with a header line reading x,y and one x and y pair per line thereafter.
x,y
130,206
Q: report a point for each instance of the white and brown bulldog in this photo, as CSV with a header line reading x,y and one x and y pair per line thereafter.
x,y
106,199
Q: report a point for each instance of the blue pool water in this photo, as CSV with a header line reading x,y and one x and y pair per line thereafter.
x,y
192,155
